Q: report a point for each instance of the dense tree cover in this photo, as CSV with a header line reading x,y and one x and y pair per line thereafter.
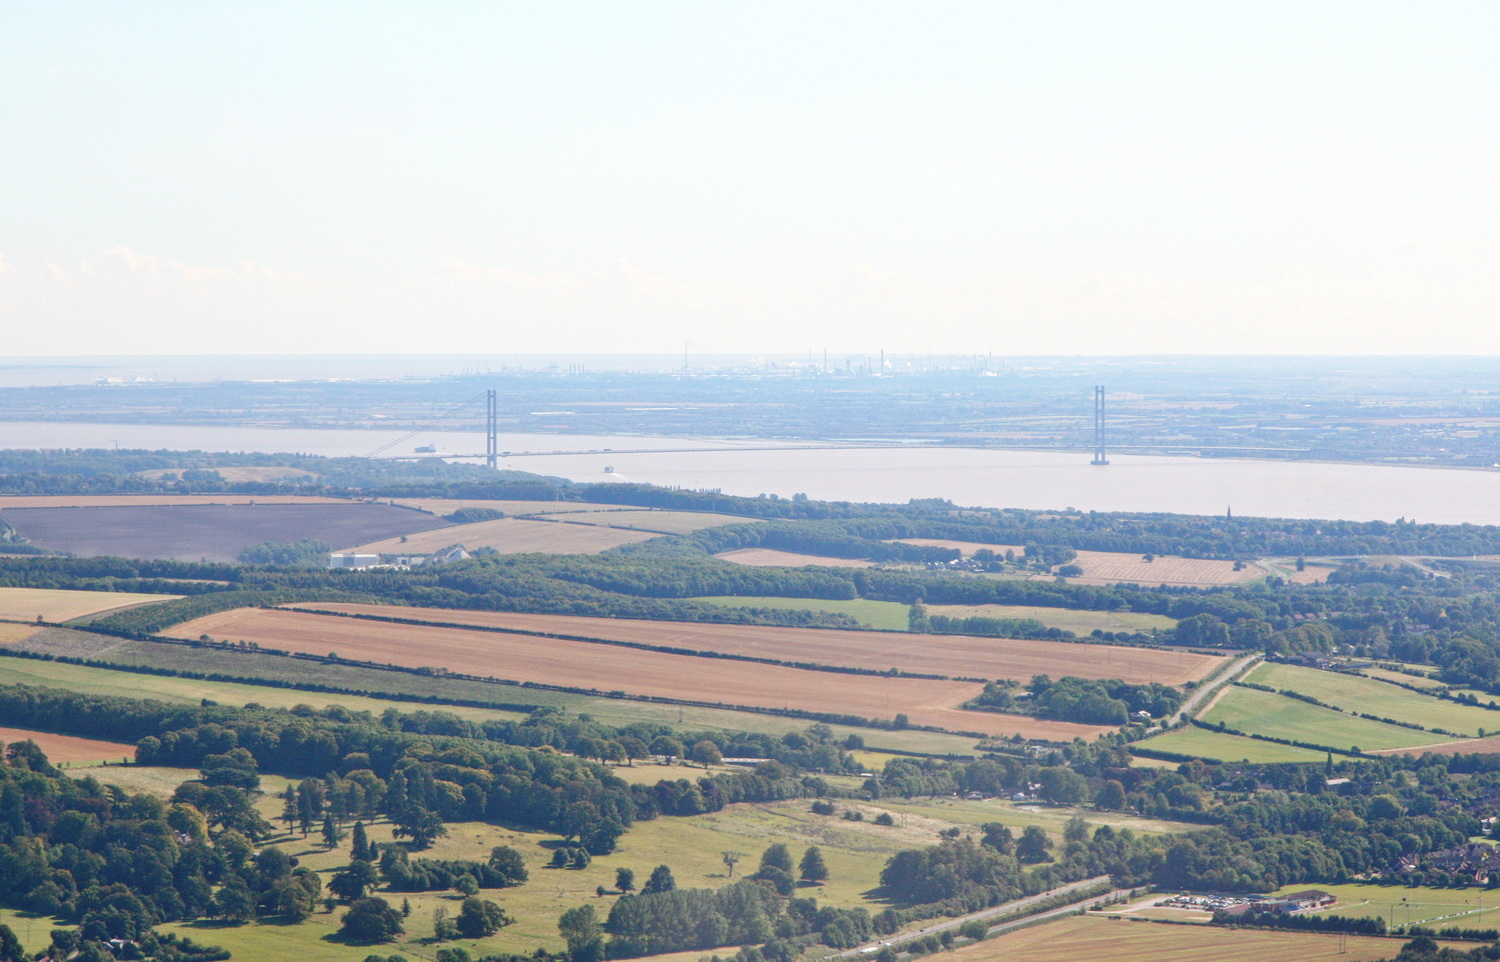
x,y
308,551
1088,701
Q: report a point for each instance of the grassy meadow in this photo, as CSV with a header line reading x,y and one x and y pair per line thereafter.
x,y
1265,713
1223,747
1355,694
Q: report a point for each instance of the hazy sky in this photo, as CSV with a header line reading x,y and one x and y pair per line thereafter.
x,y
1015,177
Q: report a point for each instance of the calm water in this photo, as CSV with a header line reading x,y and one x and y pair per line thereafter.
x,y
1023,479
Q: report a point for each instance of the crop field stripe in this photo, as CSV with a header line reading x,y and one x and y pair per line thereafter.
x,y
60,604
69,748
1223,747
511,536
953,655
645,674
638,645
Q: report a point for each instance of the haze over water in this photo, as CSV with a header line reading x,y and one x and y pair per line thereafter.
x,y
967,476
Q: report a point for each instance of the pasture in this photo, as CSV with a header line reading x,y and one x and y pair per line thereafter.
x,y
1097,936
509,536
953,655
882,615
209,532
1223,747
609,668
56,604
1352,693
771,558
1077,621
1265,713
435,691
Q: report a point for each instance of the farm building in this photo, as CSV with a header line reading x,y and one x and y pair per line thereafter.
x,y
341,560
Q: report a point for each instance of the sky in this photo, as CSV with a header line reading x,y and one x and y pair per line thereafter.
x,y
1006,177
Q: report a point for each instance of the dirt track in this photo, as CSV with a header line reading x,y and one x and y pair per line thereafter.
x,y
610,668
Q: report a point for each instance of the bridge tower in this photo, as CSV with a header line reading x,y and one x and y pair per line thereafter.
x,y
491,430
1099,453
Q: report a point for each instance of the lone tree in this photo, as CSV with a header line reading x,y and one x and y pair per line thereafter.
x,y
730,859
624,879
661,880
813,869
371,920
479,918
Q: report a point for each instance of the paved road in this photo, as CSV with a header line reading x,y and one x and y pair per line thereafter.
x,y
1009,908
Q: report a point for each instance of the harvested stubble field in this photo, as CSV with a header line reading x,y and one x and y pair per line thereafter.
x,y
1110,567
56,604
67,748
609,668
954,655
770,557
1099,937
666,522
965,548
1077,621
442,506
212,532
243,473
511,536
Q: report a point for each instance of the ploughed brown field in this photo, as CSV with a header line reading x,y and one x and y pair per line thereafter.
x,y
68,748
512,536
607,668
954,655
212,532
8,501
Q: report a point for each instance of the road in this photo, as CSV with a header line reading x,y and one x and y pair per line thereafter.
x,y
1207,691
1009,908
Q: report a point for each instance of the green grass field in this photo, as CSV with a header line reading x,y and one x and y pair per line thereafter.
x,y
1278,716
1352,693
892,615
884,615
1219,746
1050,818
1385,674
1400,906
612,711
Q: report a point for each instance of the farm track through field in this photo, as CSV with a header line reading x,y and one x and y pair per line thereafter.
x,y
956,656
606,669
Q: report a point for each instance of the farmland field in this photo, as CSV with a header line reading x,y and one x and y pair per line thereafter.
x,y
441,506
52,604
242,473
11,633
209,532
1223,747
1386,674
1400,905
770,557
883,615
608,668
1097,936
274,669
1352,693
1264,713
1109,567
1459,747
68,748
1077,621
667,522
510,536
13,501
955,655
965,548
